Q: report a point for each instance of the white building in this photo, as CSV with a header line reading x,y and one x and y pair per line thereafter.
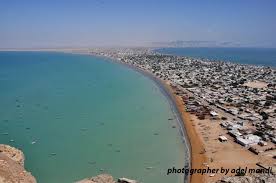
x,y
248,140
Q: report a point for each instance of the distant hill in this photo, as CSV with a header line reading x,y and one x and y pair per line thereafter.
x,y
195,43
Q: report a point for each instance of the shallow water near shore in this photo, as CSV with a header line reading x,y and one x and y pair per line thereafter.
x,y
77,116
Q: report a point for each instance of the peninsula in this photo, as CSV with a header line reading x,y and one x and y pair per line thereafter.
x,y
228,109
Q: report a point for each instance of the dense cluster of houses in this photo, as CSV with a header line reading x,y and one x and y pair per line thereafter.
x,y
246,92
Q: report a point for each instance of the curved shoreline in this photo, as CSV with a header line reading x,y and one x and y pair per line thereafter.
x,y
176,108
171,98
194,145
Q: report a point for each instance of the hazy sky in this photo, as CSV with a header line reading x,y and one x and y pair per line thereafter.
x,y
74,23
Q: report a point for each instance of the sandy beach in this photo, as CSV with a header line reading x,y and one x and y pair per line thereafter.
x,y
205,150
152,91
195,144
198,158
202,135
177,105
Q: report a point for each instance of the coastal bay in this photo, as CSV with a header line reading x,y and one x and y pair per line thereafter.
x,y
137,91
209,126
62,109
193,145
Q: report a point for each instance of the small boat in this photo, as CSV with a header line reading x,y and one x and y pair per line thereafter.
x,y
92,162
149,167
5,133
33,142
11,140
53,154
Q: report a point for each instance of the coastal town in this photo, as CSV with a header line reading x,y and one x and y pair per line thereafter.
x,y
231,106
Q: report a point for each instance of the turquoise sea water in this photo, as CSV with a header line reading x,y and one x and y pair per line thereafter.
x,y
92,114
254,56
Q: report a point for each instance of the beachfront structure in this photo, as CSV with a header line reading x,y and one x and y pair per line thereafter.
x,y
243,94
248,140
214,115
222,138
234,133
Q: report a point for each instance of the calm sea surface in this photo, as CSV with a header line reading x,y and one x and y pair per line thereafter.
x,y
254,56
75,115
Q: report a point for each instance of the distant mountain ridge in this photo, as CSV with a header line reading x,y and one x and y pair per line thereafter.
x,y
196,43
